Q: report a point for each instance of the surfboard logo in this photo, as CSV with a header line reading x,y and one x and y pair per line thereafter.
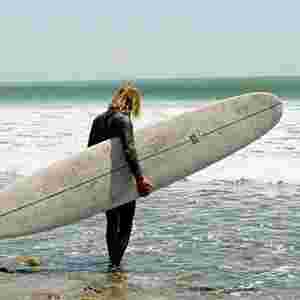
x,y
196,136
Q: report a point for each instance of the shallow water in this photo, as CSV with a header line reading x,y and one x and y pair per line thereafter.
x,y
232,226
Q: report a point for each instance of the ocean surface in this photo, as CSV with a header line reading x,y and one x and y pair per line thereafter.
x,y
232,227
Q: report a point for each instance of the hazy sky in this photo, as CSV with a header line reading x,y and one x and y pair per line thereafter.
x,y
64,39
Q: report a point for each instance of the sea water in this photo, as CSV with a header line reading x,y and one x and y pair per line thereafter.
x,y
233,225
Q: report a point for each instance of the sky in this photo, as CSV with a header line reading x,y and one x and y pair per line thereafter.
x,y
88,40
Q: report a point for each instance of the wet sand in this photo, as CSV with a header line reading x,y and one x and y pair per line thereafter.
x,y
121,286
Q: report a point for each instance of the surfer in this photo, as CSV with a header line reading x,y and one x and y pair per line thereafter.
x,y
116,122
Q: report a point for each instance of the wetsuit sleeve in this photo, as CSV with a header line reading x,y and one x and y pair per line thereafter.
x,y
128,143
92,136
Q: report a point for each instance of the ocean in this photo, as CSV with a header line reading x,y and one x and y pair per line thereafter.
x,y
230,229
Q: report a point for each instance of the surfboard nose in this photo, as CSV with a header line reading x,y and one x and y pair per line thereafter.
x,y
271,102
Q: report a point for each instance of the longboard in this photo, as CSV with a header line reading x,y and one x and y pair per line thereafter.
x,y
98,178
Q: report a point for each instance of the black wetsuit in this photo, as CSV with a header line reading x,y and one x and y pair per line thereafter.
x,y
108,125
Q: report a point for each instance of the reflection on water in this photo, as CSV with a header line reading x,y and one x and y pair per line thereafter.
x,y
113,287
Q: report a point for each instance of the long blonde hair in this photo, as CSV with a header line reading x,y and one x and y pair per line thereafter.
x,y
127,98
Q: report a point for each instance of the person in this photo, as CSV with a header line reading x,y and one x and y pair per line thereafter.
x,y
116,122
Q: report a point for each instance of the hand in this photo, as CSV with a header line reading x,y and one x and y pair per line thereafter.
x,y
144,186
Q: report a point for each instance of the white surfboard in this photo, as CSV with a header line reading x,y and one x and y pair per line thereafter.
x,y
98,178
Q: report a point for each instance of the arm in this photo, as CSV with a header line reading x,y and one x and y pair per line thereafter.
x,y
127,140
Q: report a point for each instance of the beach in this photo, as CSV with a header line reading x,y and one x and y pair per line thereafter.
x,y
229,231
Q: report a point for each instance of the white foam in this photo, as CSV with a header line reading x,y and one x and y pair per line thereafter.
x,y
31,137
